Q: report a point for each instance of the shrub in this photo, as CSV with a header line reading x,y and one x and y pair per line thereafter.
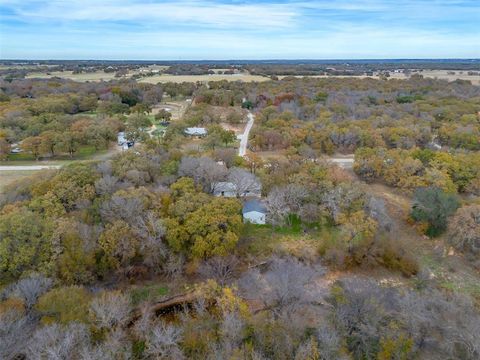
x,y
464,230
65,304
433,206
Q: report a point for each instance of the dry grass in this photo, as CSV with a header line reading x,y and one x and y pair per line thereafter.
x,y
176,108
7,177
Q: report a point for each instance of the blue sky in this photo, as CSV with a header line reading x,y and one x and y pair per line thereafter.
x,y
213,29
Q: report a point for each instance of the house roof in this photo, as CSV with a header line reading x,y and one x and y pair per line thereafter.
x,y
254,205
196,131
226,186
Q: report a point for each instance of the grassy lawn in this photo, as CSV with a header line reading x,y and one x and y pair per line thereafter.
x,y
147,293
263,240
83,153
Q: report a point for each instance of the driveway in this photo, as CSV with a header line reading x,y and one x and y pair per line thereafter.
x,y
242,150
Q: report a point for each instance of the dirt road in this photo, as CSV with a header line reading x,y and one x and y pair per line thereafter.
x,y
242,150
28,167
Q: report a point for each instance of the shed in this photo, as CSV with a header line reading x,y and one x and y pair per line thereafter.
x,y
254,212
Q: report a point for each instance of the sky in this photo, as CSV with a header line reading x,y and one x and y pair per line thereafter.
x,y
229,30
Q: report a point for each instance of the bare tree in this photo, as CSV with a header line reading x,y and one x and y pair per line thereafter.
x,y
116,346
128,209
31,288
283,285
285,200
375,207
151,231
108,184
15,330
220,268
203,171
110,309
58,342
245,182
277,206
162,342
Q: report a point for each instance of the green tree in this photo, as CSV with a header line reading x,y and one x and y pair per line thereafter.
x,y
119,244
32,145
136,128
214,228
163,115
70,142
434,206
49,142
24,242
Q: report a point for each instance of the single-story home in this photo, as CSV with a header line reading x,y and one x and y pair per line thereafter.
x,y
224,189
195,131
229,189
254,212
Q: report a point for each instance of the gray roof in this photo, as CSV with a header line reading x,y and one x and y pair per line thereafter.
x,y
196,131
254,205
226,186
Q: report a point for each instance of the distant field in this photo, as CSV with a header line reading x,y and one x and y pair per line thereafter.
x,y
95,76
439,74
194,78
444,74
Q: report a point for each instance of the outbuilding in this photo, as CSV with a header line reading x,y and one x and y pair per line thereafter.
x,y
254,212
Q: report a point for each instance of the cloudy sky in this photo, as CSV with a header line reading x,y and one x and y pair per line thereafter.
x,y
215,29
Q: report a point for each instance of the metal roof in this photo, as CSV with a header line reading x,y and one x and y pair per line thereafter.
x,y
254,205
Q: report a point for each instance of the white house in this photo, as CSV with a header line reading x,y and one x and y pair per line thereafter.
x,y
254,212
195,131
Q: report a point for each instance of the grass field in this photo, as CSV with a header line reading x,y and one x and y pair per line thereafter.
x,y
83,153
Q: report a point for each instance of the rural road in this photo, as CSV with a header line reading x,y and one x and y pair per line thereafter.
x,y
242,150
28,167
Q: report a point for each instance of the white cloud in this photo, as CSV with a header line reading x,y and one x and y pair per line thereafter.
x,y
182,12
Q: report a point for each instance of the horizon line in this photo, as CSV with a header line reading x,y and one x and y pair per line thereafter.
x,y
262,60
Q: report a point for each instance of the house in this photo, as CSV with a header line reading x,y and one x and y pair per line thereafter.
x,y
230,189
195,131
254,212
224,189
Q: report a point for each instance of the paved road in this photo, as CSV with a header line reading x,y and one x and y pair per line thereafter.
x,y
242,150
28,167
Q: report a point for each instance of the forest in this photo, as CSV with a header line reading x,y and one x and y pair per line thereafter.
x,y
142,254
